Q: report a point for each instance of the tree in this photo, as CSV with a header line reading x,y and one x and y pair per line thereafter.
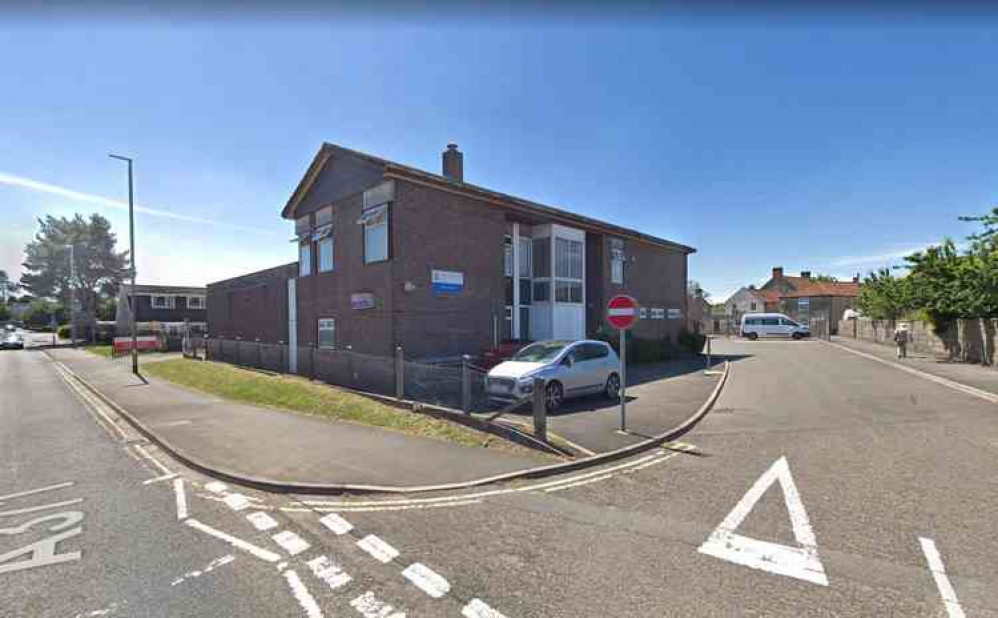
x,y
99,268
7,287
935,281
882,296
107,309
39,314
4,312
694,290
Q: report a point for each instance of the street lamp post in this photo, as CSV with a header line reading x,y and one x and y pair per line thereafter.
x,y
131,258
72,293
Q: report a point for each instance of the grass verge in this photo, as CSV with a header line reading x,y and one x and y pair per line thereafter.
x,y
99,350
316,399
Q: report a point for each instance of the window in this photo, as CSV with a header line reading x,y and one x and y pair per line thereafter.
x,y
327,330
195,302
771,321
617,261
305,259
804,305
568,258
325,248
753,305
375,222
542,291
302,226
324,217
541,258
526,268
525,291
568,291
507,256
162,302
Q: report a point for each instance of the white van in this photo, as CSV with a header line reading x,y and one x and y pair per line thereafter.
x,y
755,325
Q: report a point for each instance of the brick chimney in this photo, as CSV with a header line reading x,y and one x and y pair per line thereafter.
x,y
777,272
806,274
453,163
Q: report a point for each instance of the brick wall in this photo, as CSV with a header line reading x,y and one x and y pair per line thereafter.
x,y
962,340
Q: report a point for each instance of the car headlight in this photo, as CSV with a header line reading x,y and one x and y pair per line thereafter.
x,y
526,385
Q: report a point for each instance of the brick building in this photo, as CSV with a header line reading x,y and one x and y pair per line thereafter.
x,y
392,255
167,307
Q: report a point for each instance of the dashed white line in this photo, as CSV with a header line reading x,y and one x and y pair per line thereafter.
x,y
370,606
165,477
336,524
946,590
262,521
291,542
379,550
579,483
178,489
477,608
302,595
214,564
426,580
329,572
259,552
236,502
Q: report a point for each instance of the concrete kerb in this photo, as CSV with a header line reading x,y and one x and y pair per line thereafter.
x,y
284,487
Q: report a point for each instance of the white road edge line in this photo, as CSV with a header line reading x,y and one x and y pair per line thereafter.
x,y
142,451
259,552
178,489
963,388
579,483
165,477
946,590
302,595
37,491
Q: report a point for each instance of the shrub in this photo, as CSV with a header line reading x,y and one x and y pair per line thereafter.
x,y
691,341
65,331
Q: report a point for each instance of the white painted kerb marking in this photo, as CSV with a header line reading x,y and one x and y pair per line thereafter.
x,y
946,590
370,606
259,552
426,580
337,524
236,502
301,593
381,551
477,608
215,487
798,562
291,542
178,489
329,572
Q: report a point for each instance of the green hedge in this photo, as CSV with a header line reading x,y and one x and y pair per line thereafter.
x,y
65,331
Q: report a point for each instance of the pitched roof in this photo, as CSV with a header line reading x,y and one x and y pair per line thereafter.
x,y
394,169
807,288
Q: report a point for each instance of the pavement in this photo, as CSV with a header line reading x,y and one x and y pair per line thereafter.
x,y
971,374
822,484
285,447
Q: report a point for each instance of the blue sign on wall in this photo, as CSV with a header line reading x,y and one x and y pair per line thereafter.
x,y
446,281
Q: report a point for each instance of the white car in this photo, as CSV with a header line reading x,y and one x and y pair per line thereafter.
x,y
755,325
569,368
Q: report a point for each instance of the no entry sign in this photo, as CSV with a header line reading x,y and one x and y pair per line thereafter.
x,y
622,312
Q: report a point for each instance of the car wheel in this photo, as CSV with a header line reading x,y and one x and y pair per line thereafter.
x,y
612,389
795,336
553,396
752,336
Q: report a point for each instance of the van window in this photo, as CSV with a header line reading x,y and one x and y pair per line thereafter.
x,y
771,321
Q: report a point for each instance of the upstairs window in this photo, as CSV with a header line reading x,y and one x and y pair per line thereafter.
x,y
325,248
507,256
568,269
375,222
305,259
617,261
526,268
195,302
302,226
162,302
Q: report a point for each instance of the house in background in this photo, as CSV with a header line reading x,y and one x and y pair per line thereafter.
x,y
160,307
392,255
804,298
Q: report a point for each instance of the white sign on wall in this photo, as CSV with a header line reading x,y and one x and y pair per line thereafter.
x,y
674,314
657,313
446,281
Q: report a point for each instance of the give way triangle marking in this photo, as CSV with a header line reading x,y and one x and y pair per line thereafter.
x,y
799,562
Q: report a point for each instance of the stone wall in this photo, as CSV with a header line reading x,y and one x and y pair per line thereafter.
x,y
962,340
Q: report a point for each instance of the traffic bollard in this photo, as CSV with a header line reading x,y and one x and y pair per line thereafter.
x,y
540,411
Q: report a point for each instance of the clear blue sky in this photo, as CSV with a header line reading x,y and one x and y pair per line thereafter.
x,y
812,143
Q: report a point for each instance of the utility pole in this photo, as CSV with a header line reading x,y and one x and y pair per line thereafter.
x,y
72,293
131,258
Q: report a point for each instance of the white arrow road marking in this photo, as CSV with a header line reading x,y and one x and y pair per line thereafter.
x,y
798,562
337,524
301,593
291,542
381,551
946,590
263,554
477,608
262,521
329,572
426,580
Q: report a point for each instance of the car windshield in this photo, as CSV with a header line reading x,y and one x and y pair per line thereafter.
x,y
540,352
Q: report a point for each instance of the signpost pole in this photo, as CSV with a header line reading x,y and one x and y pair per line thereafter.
x,y
623,380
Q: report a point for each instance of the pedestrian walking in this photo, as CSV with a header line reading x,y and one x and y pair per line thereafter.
x,y
901,337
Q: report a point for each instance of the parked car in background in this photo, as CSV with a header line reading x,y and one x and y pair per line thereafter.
x,y
755,325
569,368
11,341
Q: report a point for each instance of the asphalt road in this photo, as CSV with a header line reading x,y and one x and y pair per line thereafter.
x,y
839,481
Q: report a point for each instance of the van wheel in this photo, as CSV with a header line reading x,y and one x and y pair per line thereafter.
x,y
612,390
796,336
553,396
752,336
